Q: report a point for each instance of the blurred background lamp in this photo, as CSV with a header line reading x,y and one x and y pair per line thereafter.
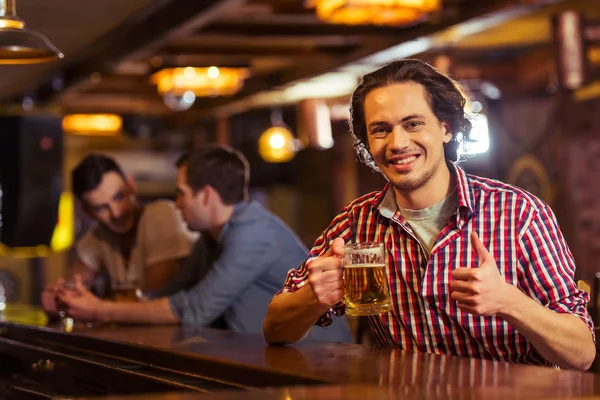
x,y
276,145
19,45
63,236
92,124
181,86
314,124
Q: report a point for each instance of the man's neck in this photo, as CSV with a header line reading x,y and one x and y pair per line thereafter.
x,y
434,191
222,217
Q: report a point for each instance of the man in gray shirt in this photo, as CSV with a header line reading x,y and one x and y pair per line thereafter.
x,y
240,262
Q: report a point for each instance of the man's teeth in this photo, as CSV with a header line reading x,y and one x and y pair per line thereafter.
x,y
405,161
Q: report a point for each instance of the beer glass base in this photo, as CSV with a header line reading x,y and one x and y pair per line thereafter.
x,y
363,310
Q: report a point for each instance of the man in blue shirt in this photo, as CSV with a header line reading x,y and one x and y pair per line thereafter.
x,y
238,265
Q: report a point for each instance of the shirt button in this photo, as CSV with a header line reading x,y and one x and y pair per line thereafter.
x,y
431,306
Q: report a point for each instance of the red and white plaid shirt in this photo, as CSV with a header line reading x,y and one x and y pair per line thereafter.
x,y
518,229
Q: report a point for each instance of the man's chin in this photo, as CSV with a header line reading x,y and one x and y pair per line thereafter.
x,y
121,229
409,184
192,227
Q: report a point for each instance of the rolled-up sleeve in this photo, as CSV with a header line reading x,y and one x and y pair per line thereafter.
x,y
297,278
548,268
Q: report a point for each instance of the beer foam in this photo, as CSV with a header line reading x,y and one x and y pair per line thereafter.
x,y
364,265
366,252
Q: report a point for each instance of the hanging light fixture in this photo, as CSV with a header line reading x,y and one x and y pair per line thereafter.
x,y
19,45
277,144
375,12
180,86
92,124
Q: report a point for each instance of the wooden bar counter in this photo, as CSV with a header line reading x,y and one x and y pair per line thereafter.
x,y
188,363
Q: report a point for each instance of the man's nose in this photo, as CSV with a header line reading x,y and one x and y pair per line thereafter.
x,y
115,211
400,138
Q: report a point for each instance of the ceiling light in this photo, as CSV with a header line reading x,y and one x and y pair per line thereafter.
x,y
277,145
19,45
176,85
92,124
375,12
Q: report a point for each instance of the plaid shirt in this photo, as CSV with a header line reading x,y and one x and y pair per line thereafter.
x,y
518,229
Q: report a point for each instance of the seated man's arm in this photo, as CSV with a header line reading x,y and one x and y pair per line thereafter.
x,y
244,257
85,306
246,253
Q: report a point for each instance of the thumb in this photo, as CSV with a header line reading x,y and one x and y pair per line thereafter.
x,y
336,248
482,253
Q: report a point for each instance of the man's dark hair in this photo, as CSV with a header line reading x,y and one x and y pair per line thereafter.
x,y
445,99
88,173
223,168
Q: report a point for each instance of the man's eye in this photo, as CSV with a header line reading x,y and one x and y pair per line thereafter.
x,y
119,196
382,130
413,125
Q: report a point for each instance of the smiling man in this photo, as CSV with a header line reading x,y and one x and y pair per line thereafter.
x,y
136,245
477,268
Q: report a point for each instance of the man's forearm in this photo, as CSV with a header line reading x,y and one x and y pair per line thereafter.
x,y
291,315
149,312
562,339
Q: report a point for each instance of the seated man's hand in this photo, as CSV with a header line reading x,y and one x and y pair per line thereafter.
x,y
325,275
81,303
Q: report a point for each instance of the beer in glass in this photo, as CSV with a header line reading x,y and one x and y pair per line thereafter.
x,y
365,279
126,292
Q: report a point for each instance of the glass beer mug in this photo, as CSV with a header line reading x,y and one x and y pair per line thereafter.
x,y
365,280
126,292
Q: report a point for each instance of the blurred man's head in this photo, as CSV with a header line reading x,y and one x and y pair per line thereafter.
x,y
209,179
106,195
407,119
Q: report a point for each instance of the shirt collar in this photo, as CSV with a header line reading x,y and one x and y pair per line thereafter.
x,y
385,201
237,213
466,198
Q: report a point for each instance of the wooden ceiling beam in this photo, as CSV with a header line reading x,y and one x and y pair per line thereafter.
x,y
480,15
203,39
241,59
258,50
135,35
274,27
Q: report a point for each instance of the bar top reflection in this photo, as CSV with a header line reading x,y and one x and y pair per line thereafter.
x,y
393,372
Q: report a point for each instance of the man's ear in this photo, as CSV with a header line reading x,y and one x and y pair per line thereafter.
x,y
447,132
131,183
208,192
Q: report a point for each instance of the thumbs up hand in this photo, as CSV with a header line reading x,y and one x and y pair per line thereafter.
x,y
481,290
325,275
